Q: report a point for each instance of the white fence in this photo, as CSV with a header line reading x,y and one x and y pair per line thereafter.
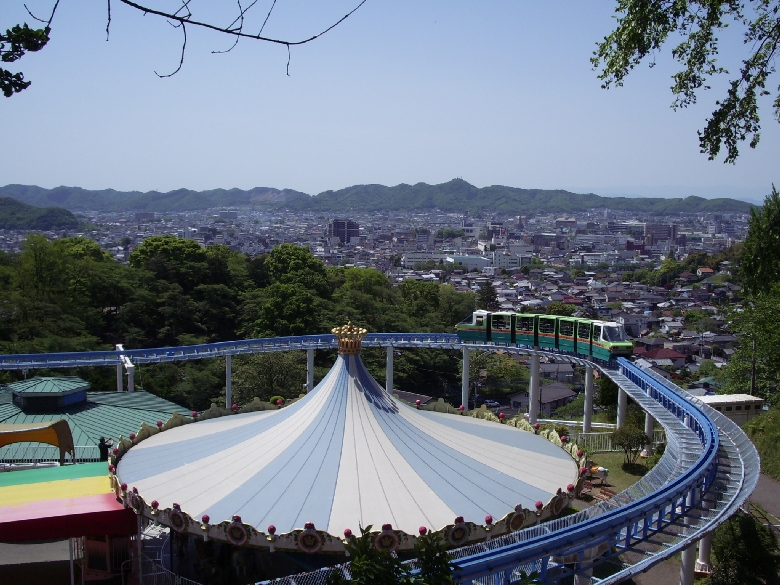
x,y
602,442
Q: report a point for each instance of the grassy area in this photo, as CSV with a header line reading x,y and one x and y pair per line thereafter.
x,y
620,475
764,431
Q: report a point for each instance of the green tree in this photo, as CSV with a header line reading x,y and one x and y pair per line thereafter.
x,y
643,27
280,310
761,262
172,259
17,41
746,551
264,375
607,394
487,298
630,439
561,309
291,264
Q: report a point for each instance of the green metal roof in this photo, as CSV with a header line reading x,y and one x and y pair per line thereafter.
x,y
42,385
104,414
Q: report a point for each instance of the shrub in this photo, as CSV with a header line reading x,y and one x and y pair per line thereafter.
x,y
630,440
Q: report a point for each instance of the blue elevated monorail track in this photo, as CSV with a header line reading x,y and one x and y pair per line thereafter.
x,y
706,473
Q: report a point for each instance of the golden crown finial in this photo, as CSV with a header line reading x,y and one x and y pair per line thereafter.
x,y
349,337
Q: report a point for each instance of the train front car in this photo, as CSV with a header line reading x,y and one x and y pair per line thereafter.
x,y
475,327
610,341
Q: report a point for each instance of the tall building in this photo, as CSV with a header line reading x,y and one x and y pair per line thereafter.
x,y
658,232
343,229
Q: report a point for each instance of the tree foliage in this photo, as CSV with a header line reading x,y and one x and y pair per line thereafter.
x,y
561,309
643,27
746,551
630,439
487,298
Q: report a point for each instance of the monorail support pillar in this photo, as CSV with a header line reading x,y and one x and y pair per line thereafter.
x,y
389,371
119,374
688,564
622,407
228,381
704,562
464,388
130,377
533,392
309,370
588,412
649,426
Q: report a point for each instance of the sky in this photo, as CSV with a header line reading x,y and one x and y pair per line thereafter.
x,y
495,93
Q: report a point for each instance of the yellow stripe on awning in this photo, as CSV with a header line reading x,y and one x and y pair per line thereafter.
x,y
54,490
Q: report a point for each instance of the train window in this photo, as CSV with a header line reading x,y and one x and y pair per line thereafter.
x,y
566,328
596,332
480,321
615,334
737,408
525,324
500,321
583,330
546,325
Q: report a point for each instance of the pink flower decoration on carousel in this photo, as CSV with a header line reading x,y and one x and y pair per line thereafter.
x,y
236,518
417,402
111,468
583,470
387,526
155,504
564,438
115,451
536,426
488,519
271,529
205,518
501,415
159,424
539,505
132,436
459,520
580,452
279,401
176,506
347,533
135,490
309,526
423,530
123,487
570,487
461,408
234,407
194,414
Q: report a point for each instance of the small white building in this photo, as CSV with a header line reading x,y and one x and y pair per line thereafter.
x,y
738,407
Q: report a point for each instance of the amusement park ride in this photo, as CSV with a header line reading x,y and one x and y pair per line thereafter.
x,y
707,472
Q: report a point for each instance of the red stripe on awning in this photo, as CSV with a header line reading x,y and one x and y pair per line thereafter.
x,y
66,518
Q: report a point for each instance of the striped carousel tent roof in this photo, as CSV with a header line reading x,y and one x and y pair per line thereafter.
x,y
347,454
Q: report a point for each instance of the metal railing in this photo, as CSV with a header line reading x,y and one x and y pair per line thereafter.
x,y
602,442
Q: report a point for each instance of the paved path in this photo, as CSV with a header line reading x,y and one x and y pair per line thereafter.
x,y
767,495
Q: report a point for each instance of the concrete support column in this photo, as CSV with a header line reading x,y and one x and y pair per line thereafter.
x,y
649,424
533,392
228,381
704,562
389,371
130,377
622,407
119,381
588,412
583,578
688,564
464,388
309,370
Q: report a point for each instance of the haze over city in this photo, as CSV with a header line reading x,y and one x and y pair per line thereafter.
x,y
400,92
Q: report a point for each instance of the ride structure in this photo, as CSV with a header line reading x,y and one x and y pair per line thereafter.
x,y
707,472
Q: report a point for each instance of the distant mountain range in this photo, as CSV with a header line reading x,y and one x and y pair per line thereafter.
x,y
15,215
454,196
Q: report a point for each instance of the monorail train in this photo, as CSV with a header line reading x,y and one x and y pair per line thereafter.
x,y
602,340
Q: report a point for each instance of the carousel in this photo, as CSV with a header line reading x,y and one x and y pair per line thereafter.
x,y
308,475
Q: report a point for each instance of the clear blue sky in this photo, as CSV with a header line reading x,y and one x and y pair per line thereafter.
x,y
401,92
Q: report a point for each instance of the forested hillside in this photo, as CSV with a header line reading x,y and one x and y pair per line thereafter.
x,y
15,215
69,295
455,196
